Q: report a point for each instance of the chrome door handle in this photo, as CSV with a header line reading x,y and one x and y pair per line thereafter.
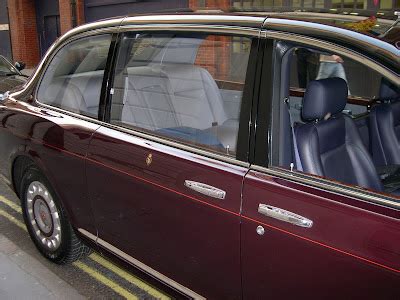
x,y
205,189
284,215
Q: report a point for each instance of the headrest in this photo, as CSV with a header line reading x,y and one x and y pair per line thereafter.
x,y
388,91
324,97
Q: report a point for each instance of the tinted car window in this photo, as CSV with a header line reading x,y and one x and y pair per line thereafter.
x,y
74,77
186,88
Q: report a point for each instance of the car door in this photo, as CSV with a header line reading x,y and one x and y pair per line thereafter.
x,y
164,176
304,236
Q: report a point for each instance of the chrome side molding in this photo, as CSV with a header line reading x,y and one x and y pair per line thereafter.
x,y
205,189
138,264
284,215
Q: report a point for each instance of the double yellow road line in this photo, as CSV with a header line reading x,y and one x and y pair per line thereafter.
x,y
96,258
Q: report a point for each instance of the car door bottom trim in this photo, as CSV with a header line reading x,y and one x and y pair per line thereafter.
x,y
138,264
228,211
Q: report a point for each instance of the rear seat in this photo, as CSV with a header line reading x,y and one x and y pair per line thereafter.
x,y
179,100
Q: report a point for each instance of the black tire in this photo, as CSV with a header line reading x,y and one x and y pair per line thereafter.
x,y
68,247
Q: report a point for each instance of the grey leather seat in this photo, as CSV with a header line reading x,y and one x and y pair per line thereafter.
x,y
168,96
196,97
147,101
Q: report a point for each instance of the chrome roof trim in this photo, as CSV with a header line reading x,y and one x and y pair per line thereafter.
x,y
327,185
334,33
250,31
305,40
138,264
206,19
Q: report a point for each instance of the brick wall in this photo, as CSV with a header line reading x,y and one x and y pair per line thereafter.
x,y
214,56
214,53
66,14
24,37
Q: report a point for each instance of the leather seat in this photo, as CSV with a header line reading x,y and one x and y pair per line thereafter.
x,y
385,126
329,144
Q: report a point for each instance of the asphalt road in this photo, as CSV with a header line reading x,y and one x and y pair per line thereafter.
x,y
25,274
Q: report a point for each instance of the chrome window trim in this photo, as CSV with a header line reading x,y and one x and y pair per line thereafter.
x,y
37,76
329,31
54,52
214,29
313,42
223,29
327,185
156,139
138,264
308,179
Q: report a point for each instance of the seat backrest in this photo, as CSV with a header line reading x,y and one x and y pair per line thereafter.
x,y
385,126
196,97
147,101
329,143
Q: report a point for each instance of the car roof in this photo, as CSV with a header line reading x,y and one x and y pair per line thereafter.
x,y
332,27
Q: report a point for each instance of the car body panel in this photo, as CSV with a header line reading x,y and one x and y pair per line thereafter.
x,y
344,241
183,234
57,143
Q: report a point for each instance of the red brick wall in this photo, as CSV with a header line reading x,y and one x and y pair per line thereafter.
x,y
66,14
214,56
24,36
212,4
80,12
214,53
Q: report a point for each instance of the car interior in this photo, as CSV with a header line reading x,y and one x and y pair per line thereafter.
x,y
360,149
74,78
162,89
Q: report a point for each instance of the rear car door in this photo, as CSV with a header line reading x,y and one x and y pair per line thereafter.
x,y
303,235
164,176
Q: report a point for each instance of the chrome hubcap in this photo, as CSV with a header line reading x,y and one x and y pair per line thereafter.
x,y
43,215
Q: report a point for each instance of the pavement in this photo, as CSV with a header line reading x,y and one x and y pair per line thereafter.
x,y
25,274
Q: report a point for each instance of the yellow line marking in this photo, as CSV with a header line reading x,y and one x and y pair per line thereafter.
x,y
129,277
11,204
13,219
104,280
97,258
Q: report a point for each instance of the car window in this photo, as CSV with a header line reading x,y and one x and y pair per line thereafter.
x,y
309,64
73,79
187,88
323,132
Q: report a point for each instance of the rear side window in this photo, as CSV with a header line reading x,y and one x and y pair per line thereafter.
x,y
74,77
186,88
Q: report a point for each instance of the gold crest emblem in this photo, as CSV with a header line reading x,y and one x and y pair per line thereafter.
x,y
149,159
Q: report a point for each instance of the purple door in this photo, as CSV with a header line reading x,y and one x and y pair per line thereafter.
x,y
142,207
163,179
352,249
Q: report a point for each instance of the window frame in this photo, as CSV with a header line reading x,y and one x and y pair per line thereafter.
x,y
249,92
262,159
54,52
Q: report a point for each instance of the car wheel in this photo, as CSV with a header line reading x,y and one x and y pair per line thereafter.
x,y
47,222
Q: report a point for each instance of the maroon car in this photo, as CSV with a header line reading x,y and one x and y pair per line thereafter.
x,y
228,156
